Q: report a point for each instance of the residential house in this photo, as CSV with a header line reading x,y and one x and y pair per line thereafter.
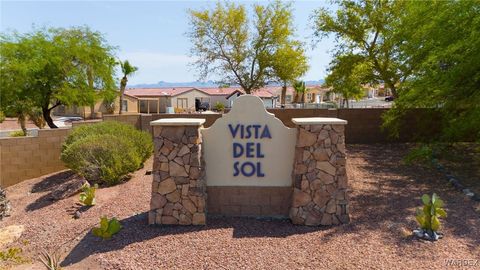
x,y
174,99
269,100
315,94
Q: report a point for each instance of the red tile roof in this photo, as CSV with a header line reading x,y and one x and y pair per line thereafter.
x,y
174,91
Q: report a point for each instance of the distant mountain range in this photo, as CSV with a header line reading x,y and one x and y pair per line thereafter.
x,y
212,84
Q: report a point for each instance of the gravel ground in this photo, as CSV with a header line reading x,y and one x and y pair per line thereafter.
x,y
463,161
383,200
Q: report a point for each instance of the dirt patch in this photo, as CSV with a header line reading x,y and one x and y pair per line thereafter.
x,y
384,195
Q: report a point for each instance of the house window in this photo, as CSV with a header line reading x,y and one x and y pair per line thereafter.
x,y
309,97
124,106
288,98
182,103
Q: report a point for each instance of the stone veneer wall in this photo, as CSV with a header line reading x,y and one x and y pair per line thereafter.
x,y
178,187
320,179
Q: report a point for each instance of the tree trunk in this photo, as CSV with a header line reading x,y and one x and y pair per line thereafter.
x,y
90,84
393,89
123,85
48,118
92,111
21,120
283,95
304,98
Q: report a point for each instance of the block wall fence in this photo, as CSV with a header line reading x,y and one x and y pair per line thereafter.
x,y
23,158
364,125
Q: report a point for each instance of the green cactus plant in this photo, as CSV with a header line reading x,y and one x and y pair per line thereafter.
x,y
429,216
87,197
107,228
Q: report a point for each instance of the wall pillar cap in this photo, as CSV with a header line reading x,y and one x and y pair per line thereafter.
x,y
178,122
318,121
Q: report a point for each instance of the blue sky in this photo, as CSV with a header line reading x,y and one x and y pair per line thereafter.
x,y
149,34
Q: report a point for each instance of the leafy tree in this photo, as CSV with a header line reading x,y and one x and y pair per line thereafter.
x,y
239,50
347,74
442,41
127,70
367,28
94,64
289,64
51,67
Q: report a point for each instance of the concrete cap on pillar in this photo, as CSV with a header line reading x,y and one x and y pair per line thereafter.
x,y
318,121
178,122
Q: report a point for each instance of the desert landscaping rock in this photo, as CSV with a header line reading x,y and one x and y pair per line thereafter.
x,y
10,234
4,204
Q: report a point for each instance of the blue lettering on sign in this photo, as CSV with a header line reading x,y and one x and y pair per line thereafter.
x,y
250,149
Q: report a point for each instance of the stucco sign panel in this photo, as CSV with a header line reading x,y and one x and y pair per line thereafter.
x,y
249,147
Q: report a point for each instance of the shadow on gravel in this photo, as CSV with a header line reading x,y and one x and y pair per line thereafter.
x,y
135,230
390,192
58,186
52,181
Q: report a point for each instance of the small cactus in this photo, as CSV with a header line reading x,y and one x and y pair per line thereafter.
x,y
107,228
87,197
429,216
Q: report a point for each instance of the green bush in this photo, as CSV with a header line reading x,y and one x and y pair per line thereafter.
x,y
422,154
102,158
18,133
219,106
2,117
142,141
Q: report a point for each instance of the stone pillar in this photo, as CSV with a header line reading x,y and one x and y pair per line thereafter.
x,y
178,187
319,176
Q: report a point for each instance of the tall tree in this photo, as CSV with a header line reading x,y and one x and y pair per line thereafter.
x,y
228,44
368,28
127,70
289,64
347,75
57,66
442,41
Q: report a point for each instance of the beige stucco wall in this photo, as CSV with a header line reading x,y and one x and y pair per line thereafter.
x,y
190,95
278,151
132,104
84,111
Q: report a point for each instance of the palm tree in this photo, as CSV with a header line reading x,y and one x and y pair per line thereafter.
x,y
300,89
127,70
